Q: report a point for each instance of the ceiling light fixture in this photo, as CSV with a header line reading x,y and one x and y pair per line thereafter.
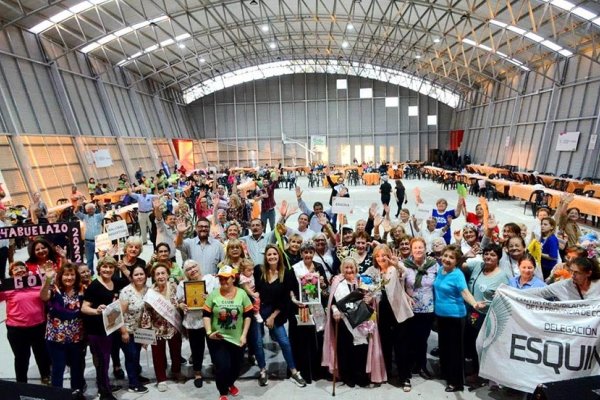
x,y
499,54
534,37
273,45
265,28
349,27
345,44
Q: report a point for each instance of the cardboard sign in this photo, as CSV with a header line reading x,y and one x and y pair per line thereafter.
x,y
112,317
60,233
144,336
117,230
422,213
103,242
341,205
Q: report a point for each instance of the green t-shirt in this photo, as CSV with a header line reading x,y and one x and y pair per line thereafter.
x,y
228,314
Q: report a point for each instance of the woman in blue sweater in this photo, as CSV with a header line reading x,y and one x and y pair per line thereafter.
x,y
451,293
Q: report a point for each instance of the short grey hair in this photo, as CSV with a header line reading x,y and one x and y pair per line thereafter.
x,y
134,241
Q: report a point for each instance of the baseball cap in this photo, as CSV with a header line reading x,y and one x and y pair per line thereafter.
x,y
227,271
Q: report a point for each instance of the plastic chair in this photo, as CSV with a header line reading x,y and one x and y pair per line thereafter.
x,y
536,199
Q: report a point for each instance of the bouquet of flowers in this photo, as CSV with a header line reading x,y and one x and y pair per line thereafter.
x,y
590,241
310,288
559,275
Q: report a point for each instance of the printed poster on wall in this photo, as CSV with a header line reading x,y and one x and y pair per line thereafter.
x,y
567,141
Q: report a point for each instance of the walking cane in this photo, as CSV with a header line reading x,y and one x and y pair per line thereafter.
x,y
335,338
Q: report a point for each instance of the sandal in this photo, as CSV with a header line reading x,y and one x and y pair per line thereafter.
x,y
406,386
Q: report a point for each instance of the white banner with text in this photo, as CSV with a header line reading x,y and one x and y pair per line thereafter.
x,y
527,340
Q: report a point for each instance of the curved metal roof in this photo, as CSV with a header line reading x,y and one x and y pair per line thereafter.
x,y
460,45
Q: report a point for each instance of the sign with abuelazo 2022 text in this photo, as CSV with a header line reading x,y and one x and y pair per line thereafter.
x,y
59,233
526,340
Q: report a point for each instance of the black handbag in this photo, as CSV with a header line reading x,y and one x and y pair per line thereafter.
x,y
354,308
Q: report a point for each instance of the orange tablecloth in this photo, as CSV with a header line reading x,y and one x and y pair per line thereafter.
x,y
594,187
114,197
437,170
371,178
502,185
523,192
486,170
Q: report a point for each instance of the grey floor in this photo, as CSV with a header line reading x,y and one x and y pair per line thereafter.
x,y
504,210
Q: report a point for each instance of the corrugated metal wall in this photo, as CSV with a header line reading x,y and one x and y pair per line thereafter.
x,y
521,126
253,116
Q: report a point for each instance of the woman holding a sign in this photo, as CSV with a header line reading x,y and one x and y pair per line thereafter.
x,y
191,295
101,293
161,314
132,304
227,314
25,324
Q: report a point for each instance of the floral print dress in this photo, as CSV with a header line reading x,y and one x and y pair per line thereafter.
x,y
64,323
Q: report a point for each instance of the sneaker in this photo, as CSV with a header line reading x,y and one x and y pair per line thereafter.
x,y
107,396
297,379
223,398
198,382
234,391
143,380
162,386
138,389
119,373
263,380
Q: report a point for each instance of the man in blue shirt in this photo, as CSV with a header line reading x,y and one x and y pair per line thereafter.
x,y
144,209
92,222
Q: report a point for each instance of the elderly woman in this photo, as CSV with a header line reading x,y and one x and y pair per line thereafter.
x,y
513,253
193,318
420,274
403,250
161,314
162,255
450,294
64,327
132,304
393,311
306,341
526,278
101,292
358,350
396,234
227,315
131,258
468,240
273,283
444,217
409,223
584,283
485,277
363,254
549,243
567,219
25,326
42,255
324,254
234,254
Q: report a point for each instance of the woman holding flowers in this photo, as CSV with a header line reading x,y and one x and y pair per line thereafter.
x,y
358,349
306,292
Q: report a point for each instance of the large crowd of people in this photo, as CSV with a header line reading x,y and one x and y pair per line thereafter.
x,y
261,274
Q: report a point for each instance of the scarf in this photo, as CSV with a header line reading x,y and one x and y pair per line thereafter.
x,y
422,270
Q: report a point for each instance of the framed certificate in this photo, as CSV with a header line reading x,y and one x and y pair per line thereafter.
x,y
194,294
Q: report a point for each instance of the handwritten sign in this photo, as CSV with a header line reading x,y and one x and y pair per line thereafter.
x,y
341,205
117,230
103,242
144,336
112,317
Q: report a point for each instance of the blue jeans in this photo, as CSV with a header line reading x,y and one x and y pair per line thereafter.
x,y
279,335
90,254
268,215
132,360
62,354
227,358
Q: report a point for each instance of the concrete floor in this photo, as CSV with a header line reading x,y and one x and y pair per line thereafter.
x,y
504,210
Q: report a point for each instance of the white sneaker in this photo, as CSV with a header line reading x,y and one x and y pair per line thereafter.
x,y
162,386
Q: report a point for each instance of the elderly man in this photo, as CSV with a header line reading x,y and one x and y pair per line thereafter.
x,y
203,249
313,215
144,209
257,241
166,228
92,222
